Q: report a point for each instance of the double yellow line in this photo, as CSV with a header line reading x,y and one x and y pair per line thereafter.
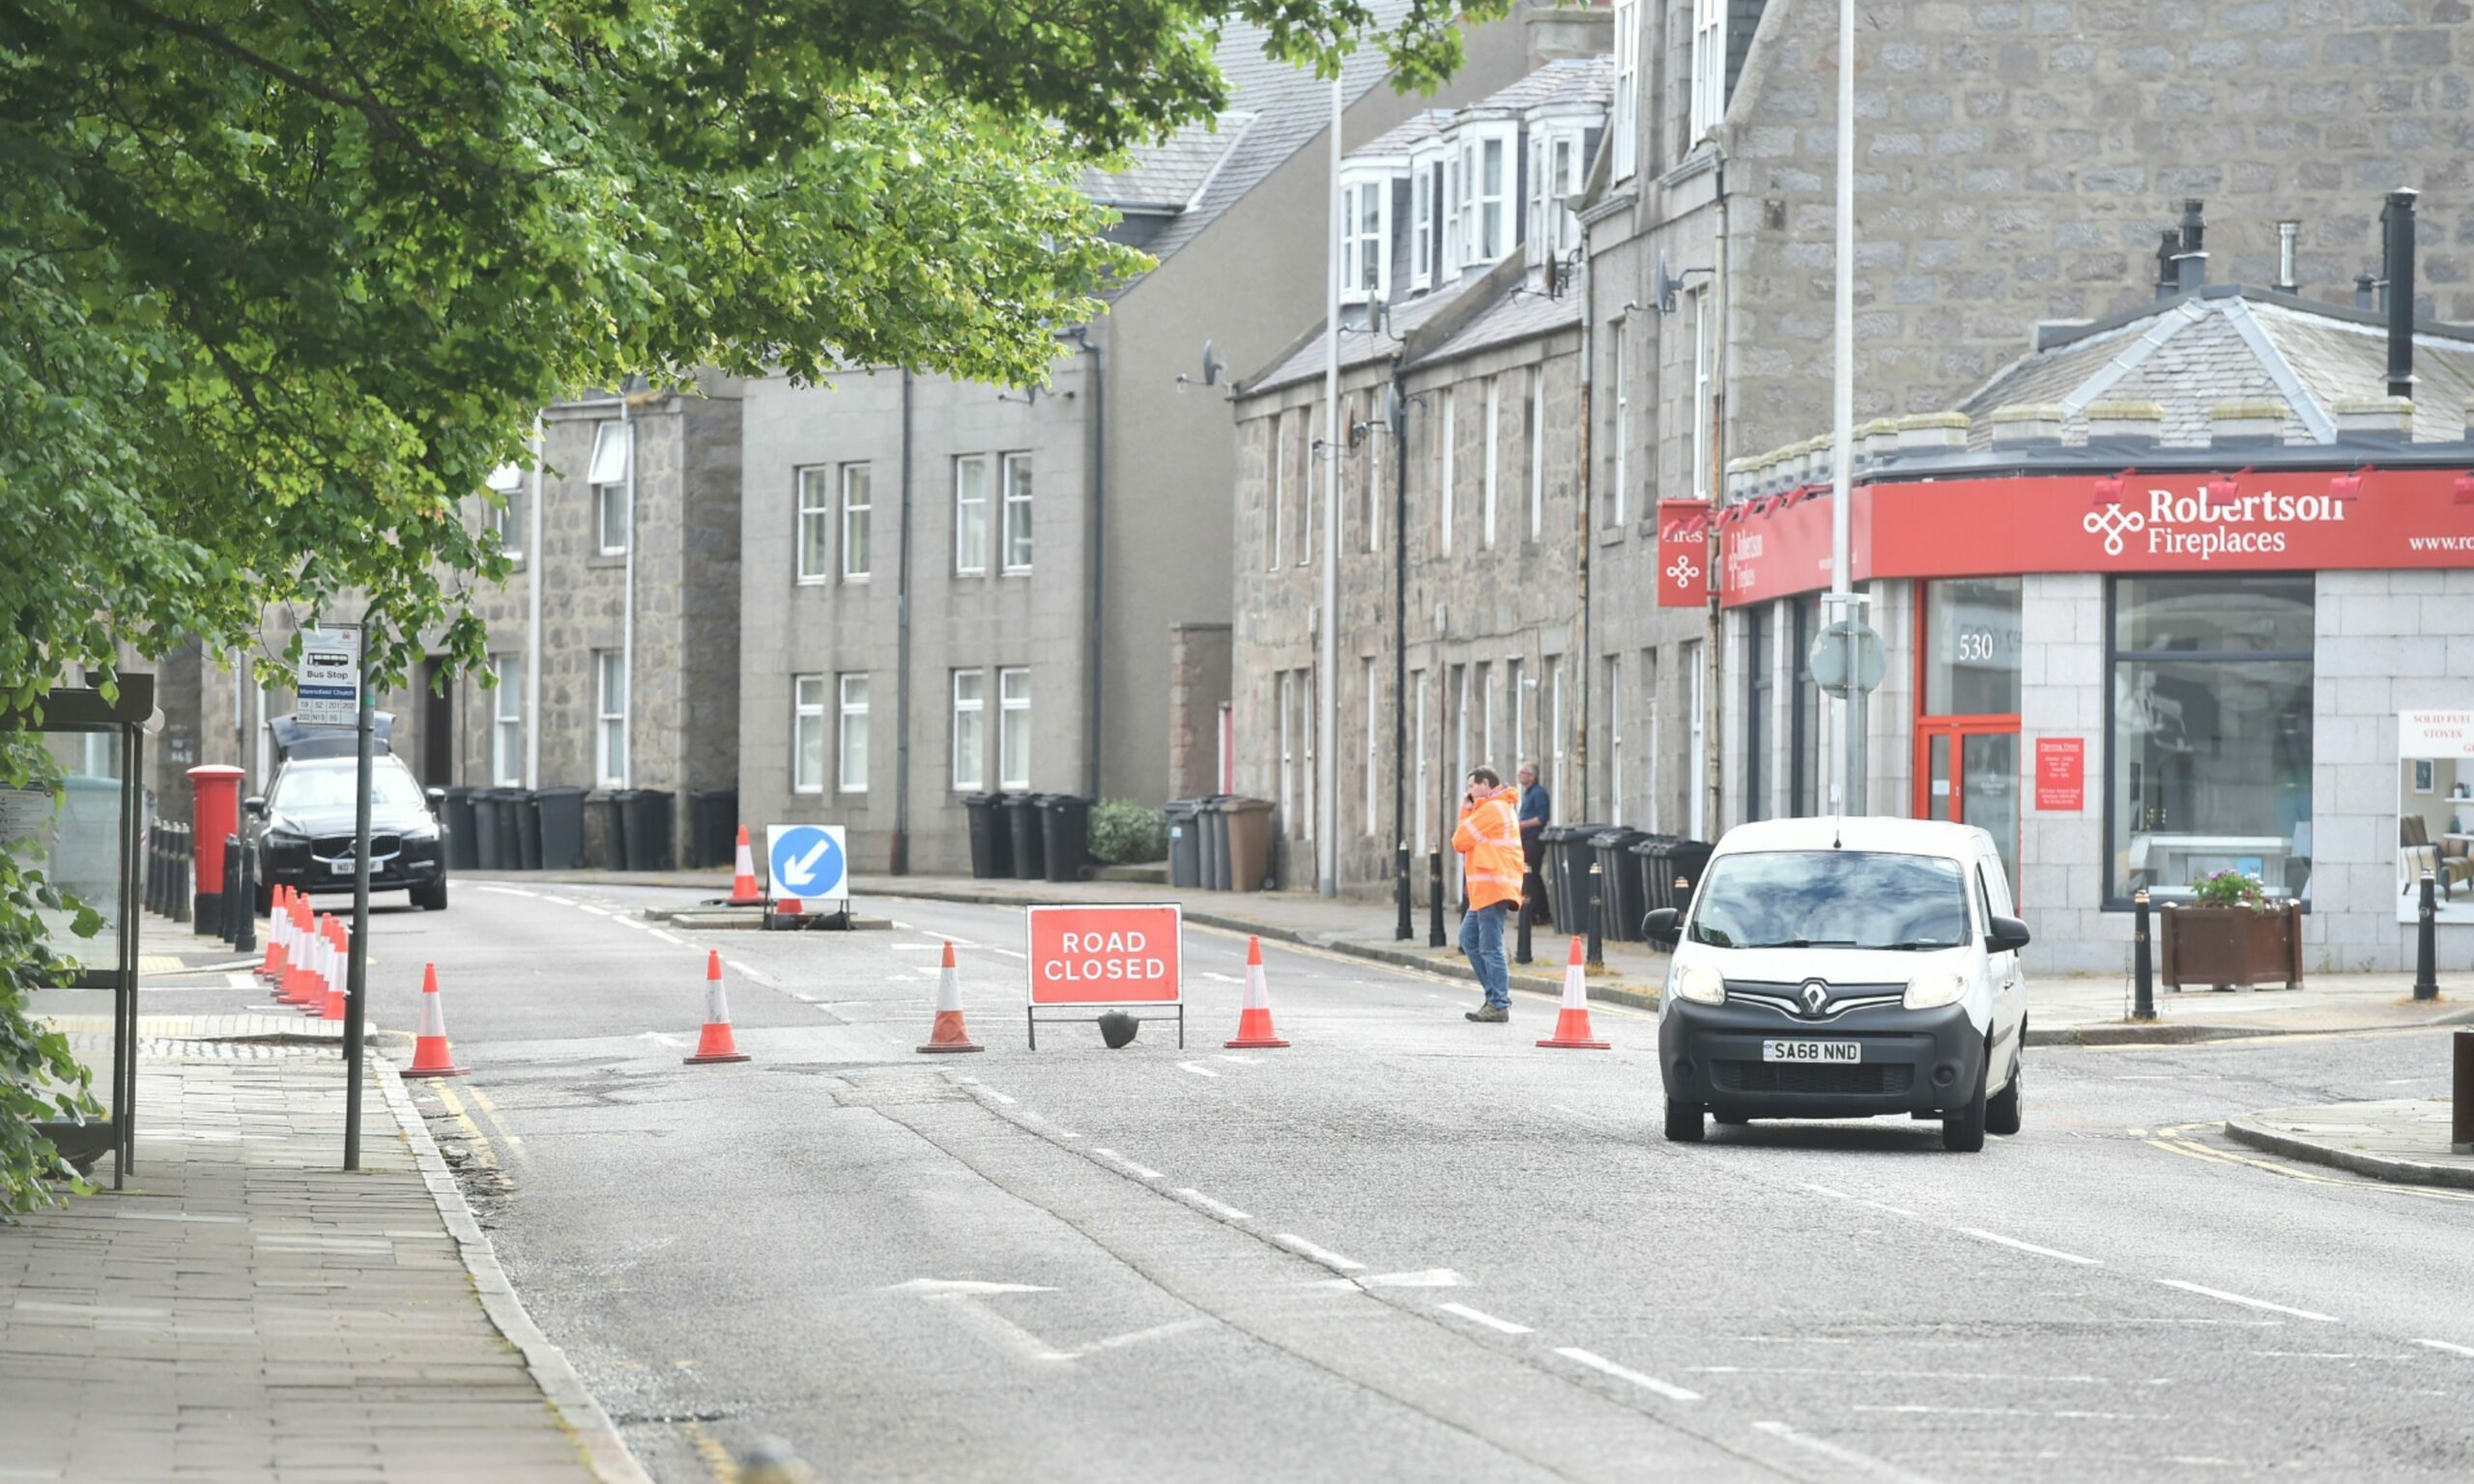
x,y
482,1142
2179,1140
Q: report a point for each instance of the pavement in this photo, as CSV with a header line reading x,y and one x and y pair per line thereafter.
x,y
1406,1247
2404,1139
244,1310
2084,1009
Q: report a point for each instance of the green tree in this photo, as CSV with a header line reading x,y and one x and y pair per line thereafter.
x,y
282,281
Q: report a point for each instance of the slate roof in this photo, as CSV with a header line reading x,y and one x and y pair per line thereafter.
x,y
1282,108
1564,81
2231,343
1356,346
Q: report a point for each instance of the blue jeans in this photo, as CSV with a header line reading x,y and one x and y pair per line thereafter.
x,y
1482,938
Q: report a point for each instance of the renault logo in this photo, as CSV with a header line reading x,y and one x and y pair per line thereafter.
x,y
1814,994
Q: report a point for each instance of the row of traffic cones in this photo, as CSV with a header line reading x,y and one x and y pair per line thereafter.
x,y
306,952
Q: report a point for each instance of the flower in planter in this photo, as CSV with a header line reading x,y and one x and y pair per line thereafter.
x,y
2231,889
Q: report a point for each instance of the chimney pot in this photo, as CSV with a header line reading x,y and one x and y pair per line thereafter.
x,y
2374,419
2289,234
2366,293
2194,224
2399,218
2190,271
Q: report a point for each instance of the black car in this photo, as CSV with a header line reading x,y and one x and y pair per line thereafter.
x,y
304,832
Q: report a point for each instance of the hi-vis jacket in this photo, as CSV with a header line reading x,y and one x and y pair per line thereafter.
x,y
1490,838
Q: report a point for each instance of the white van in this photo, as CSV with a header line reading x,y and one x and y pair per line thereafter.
x,y
1841,968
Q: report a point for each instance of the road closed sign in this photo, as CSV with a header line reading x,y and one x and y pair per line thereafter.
x,y
1104,955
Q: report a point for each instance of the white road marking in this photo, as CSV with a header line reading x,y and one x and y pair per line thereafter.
x,y
1919,1408
511,890
560,900
1225,978
1480,1317
1138,1171
1424,1278
667,1041
1836,1195
993,1093
2025,1247
241,979
915,948
2450,1345
738,966
1863,1463
1870,1374
1220,1209
1320,1254
629,921
1895,1211
1016,952
1242,1061
667,938
2256,1303
596,911
1197,1069
1598,1362
964,1286
1155,1332
901,926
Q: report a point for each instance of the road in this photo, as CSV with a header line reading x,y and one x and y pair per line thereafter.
x,y
1407,1247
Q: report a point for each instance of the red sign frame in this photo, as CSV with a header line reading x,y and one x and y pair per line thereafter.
x,y
1126,962
2186,522
1684,552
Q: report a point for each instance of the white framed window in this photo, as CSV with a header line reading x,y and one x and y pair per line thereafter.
x,y
1456,223
1373,699
1309,482
1518,751
506,511
1366,239
1487,735
1288,748
1425,778
1696,680
970,739
1494,449
1014,727
1621,432
506,722
1615,736
851,749
858,510
610,718
1306,728
1533,436
612,520
1422,228
1018,512
816,521
971,515
1486,207
1709,68
1553,174
1555,725
1447,433
1369,477
1278,435
1705,355
807,733
1650,704
1626,119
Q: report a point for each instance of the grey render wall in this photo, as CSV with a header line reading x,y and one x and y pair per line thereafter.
x,y
1037,618
2017,160
1249,283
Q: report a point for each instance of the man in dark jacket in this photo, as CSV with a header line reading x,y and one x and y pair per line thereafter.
x,y
1534,812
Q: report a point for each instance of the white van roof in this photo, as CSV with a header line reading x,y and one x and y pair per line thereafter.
x,y
1860,832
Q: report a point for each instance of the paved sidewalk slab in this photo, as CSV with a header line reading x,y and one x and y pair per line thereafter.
x,y
2401,1139
244,1310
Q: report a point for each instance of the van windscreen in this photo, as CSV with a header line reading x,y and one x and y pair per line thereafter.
x,y
1835,898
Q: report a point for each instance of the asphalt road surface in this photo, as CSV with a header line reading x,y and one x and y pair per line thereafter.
x,y
1406,1247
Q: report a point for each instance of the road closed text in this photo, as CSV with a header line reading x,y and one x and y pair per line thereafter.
x,y
1098,955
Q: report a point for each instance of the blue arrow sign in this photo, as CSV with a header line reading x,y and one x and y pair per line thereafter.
x,y
807,861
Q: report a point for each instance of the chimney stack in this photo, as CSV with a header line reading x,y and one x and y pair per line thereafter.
x,y
2399,218
2194,224
2169,280
2366,293
2288,233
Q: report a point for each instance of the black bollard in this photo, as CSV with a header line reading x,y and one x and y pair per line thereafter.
x,y
2426,945
180,865
1596,915
1530,887
244,906
1405,928
1434,900
227,913
2142,960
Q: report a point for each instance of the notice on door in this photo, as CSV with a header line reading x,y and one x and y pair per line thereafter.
x,y
2062,774
1104,955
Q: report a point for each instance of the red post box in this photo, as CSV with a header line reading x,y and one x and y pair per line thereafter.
x,y
215,812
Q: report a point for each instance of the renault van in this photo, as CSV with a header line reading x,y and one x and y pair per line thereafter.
x,y
1844,968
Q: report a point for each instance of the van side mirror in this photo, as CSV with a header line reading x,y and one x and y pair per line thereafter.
x,y
1663,926
254,806
2008,935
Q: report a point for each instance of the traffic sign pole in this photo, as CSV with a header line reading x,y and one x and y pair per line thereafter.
x,y
356,974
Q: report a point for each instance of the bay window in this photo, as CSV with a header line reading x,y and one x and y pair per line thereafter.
x,y
1366,239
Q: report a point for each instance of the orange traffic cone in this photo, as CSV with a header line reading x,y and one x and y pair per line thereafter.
x,y
948,1034
336,989
306,985
294,986
322,966
271,967
431,1057
716,1045
1571,1022
743,892
1254,1021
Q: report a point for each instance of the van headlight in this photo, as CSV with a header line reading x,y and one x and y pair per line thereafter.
x,y
1702,983
1932,991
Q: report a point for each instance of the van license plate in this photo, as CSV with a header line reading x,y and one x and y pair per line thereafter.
x,y
1812,1051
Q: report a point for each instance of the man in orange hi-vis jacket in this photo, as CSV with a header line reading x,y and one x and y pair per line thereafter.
x,y
1488,840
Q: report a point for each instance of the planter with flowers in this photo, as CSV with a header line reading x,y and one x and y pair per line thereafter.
x,y
2231,936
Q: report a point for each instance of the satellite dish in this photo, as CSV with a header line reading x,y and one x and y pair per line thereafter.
x,y
1212,366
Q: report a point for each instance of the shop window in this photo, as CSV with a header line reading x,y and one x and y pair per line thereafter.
x,y
2210,704
1975,641
1759,683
